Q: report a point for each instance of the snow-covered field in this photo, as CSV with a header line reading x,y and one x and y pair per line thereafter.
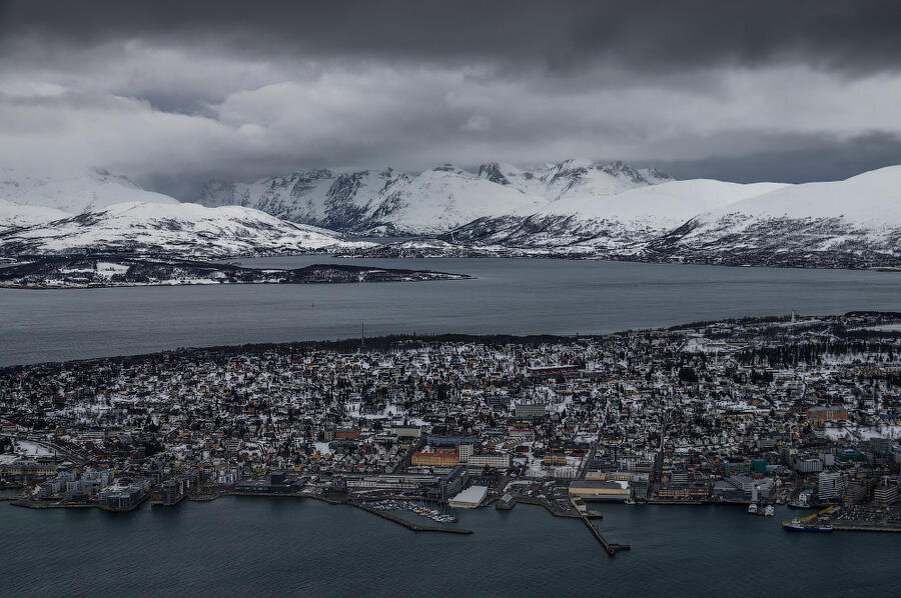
x,y
31,449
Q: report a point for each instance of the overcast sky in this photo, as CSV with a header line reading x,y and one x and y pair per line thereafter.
x,y
174,93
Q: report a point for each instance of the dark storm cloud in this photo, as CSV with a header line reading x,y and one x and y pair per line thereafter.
x,y
657,36
814,158
172,93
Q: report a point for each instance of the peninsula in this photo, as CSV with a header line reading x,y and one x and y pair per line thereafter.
x,y
110,270
753,413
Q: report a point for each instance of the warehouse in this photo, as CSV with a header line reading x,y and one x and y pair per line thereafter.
x,y
470,498
600,490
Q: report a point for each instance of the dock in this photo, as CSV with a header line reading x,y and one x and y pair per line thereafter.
x,y
610,547
549,506
841,526
416,527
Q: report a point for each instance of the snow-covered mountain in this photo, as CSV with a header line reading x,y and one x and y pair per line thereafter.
x,y
854,223
15,215
433,202
92,190
573,178
444,198
177,229
339,201
614,221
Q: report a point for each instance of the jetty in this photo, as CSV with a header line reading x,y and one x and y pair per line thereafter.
x,y
610,547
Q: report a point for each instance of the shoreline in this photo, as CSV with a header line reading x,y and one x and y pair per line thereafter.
x,y
588,518
500,338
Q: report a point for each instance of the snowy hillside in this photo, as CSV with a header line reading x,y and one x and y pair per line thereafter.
x,y
574,178
93,190
179,229
612,221
444,198
433,202
14,215
340,201
854,222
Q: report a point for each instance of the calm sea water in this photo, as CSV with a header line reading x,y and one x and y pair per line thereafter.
x,y
264,547
509,296
276,547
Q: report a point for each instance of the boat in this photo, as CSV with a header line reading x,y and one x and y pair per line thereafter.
x,y
769,511
629,501
796,525
505,503
752,508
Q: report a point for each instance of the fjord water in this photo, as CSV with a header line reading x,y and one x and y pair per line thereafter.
x,y
517,296
278,547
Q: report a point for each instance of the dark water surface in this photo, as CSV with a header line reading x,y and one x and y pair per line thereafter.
x,y
276,547
509,296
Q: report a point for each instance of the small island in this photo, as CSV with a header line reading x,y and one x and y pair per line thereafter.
x,y
91,271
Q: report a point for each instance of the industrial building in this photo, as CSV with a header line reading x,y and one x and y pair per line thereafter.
x,y
470,498
598,490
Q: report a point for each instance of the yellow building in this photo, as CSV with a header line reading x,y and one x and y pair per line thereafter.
x,y
599,490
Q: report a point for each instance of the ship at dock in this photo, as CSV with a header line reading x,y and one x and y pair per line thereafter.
x,y
796,525
505,503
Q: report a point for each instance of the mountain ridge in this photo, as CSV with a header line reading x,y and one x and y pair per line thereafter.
x,y
390,202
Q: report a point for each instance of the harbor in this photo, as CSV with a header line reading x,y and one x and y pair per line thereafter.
x,y
671,547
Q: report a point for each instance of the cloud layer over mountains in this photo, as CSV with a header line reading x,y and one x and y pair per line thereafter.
x,y
173,94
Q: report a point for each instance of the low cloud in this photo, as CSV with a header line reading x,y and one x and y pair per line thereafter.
x,y
173,102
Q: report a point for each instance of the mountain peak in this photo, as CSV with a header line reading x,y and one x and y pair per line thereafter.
x,y
492,172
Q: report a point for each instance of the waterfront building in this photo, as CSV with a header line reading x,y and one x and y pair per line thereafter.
x,y
274,483
886,493
596,490
830,486
470,498
124,495
694,492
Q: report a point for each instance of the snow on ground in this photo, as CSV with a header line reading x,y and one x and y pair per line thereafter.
x,y
15,215
322,448
865,432
887,328
32,449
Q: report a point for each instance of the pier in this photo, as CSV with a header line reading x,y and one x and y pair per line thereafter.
x,y
416,527
610,547
549,506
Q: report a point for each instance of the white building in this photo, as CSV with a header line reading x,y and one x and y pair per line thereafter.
x,y
470,498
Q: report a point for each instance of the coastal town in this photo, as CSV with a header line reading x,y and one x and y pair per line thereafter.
x,y
758,413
